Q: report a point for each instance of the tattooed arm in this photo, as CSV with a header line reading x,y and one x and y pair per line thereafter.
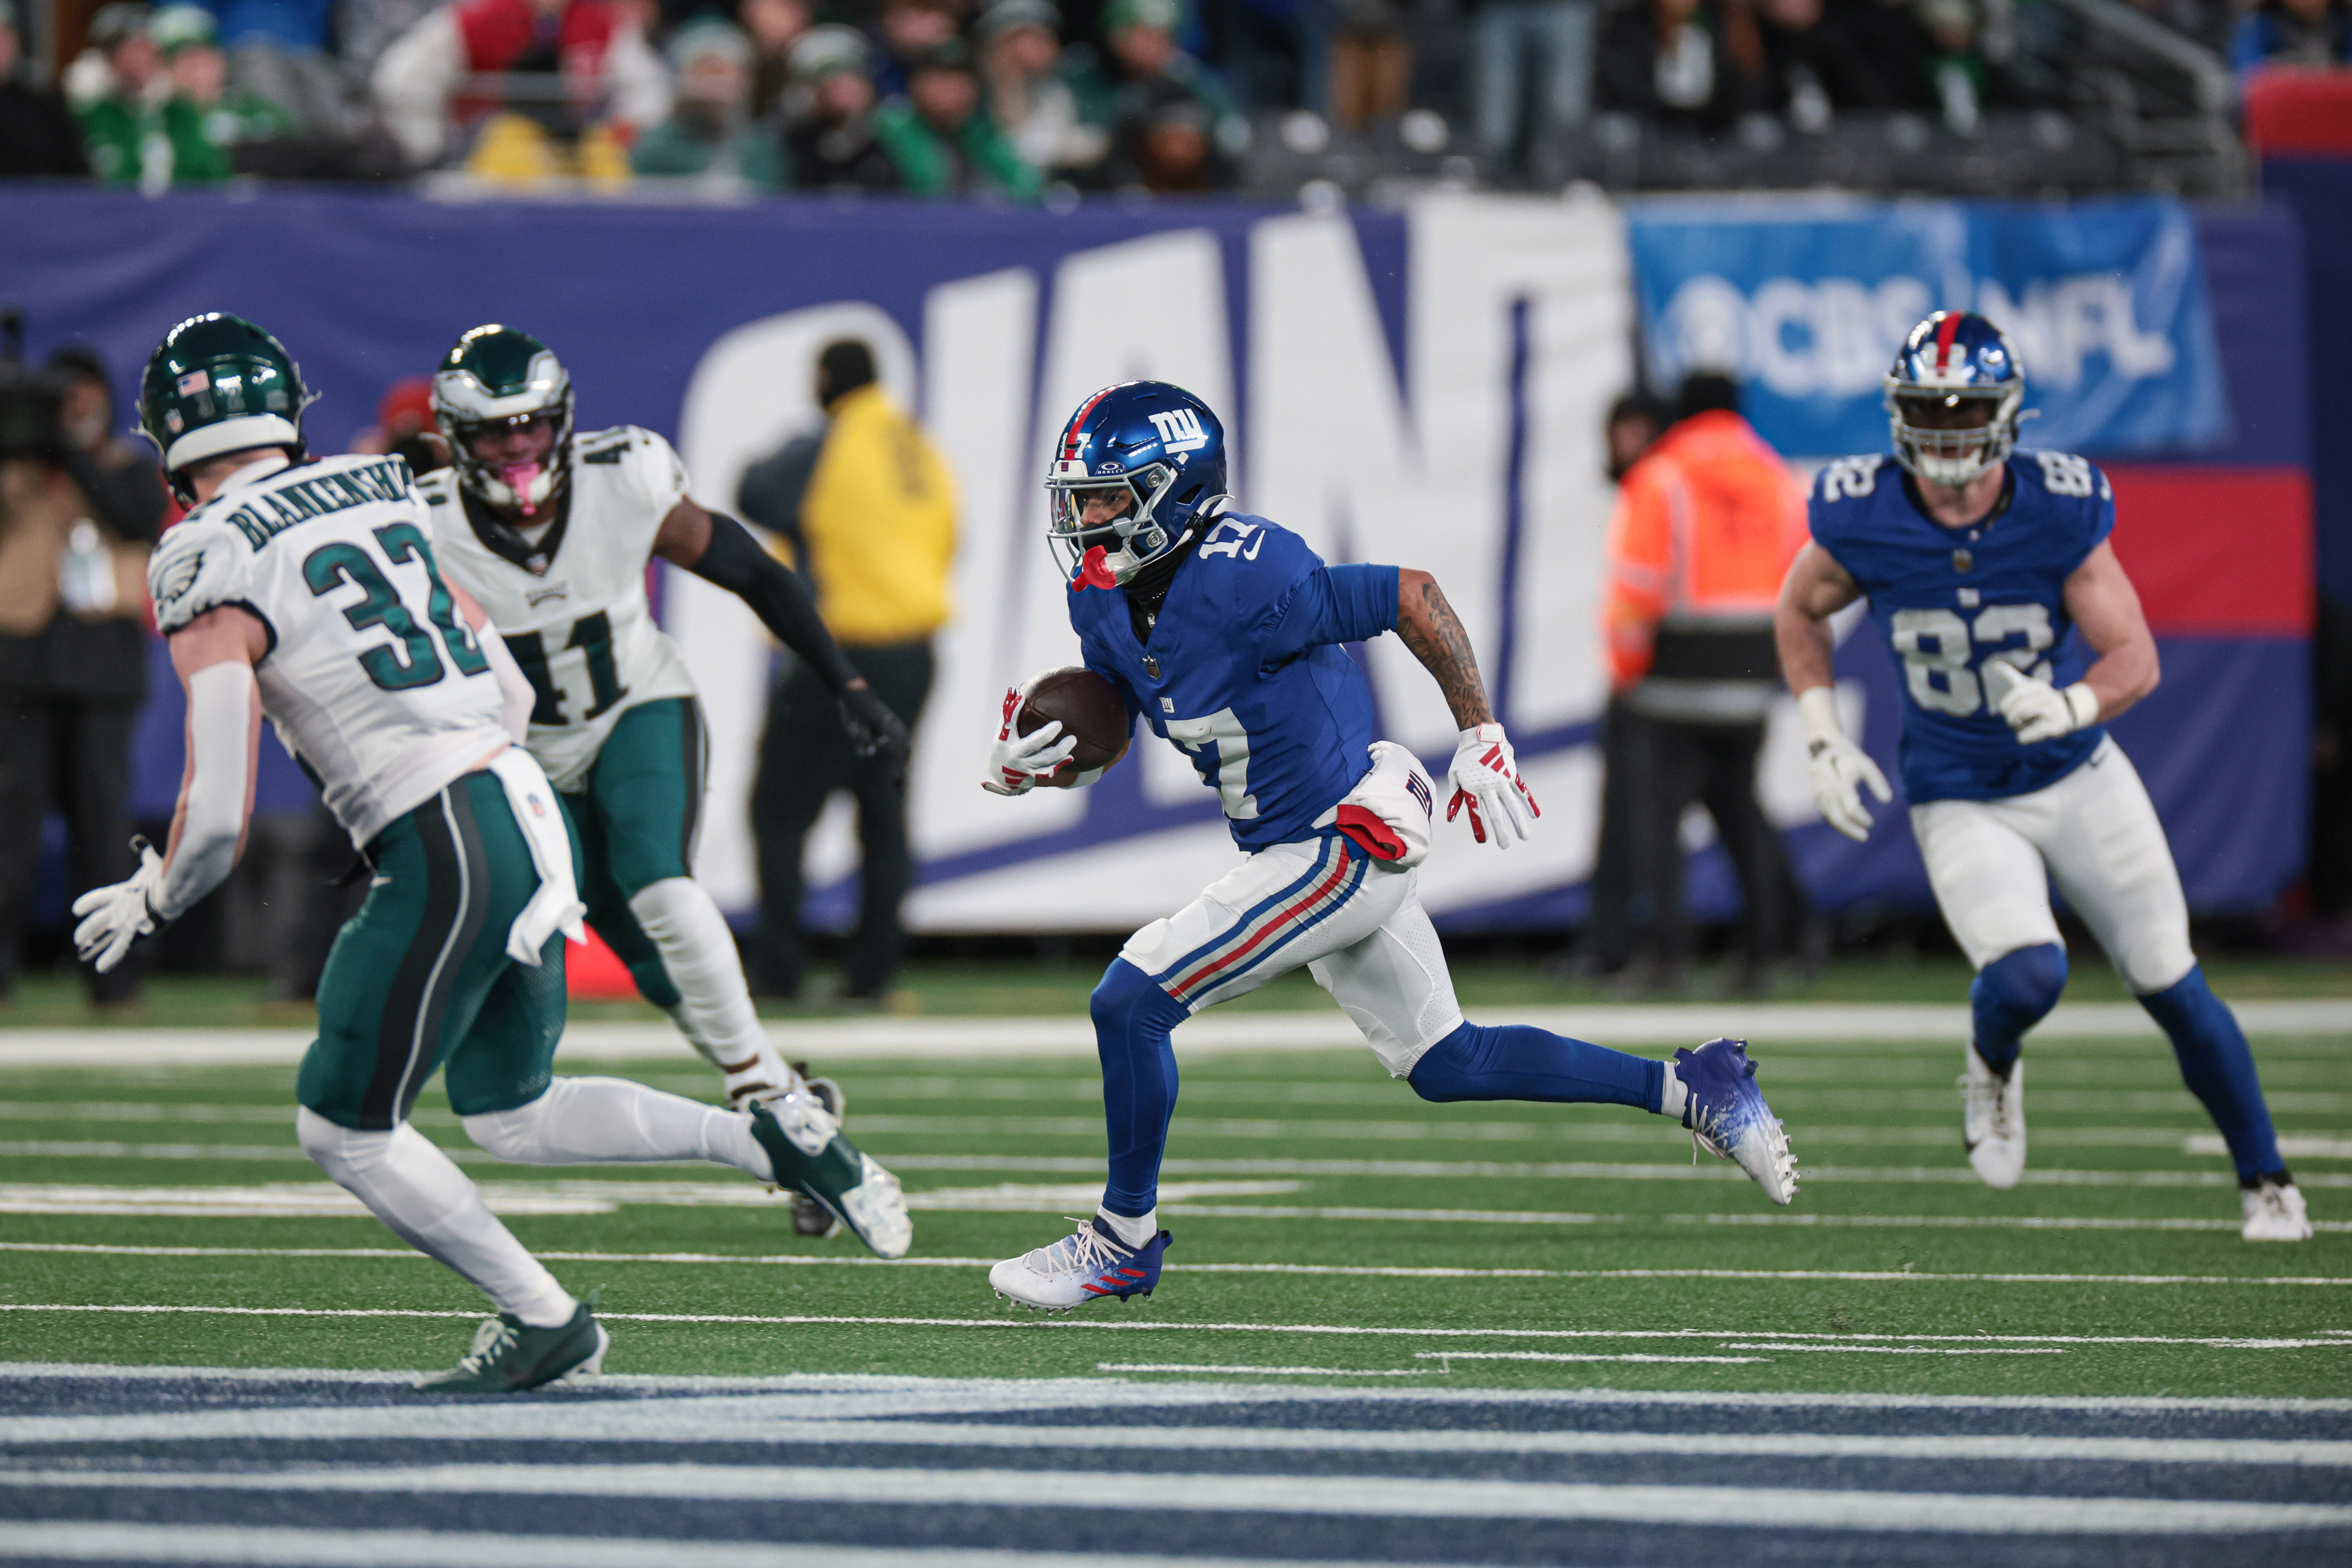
x,y
1431,628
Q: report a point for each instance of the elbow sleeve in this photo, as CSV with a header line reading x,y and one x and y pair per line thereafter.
x,y
220,709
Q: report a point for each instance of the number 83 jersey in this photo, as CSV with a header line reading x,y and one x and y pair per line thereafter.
x,y
372,681
1951,600
571,603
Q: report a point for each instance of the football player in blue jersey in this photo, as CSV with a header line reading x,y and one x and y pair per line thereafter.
x,y
1222,631
1977,564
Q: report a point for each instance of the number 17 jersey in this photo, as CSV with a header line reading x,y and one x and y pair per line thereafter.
x,y
1951,600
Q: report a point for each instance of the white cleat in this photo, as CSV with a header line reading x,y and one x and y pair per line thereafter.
x,y
876,1209
2274,1211
1085,1266
1993,1120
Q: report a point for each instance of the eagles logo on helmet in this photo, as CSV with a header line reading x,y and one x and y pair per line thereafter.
x,y
496,379
1134,469
1952,398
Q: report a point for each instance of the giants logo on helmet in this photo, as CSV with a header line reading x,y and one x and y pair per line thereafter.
x,y
1180,430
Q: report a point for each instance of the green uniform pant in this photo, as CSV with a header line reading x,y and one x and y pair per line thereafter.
x,y
636,815
419,980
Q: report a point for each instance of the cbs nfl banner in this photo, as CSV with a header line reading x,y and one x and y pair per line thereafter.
x,y
1424,384
1806,302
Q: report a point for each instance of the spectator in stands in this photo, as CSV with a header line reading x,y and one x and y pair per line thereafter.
x,y
73,654
365,28
1534,63
710,134
1370,61
1142,71
282,50
1165,143
774,27
1815,62
1678,63
37,133
204,122
831,145
866,509
123,117
941,140
602,83
2293,33
909,30
119,61
1961,77
1032,105
1706,524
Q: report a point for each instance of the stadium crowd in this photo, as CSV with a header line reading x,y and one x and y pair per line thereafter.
x,y
1012,99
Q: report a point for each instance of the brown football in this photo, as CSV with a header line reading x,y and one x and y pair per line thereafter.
x,y
1089,707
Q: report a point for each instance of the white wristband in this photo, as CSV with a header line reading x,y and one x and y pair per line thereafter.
x,y
1818,707
2083,704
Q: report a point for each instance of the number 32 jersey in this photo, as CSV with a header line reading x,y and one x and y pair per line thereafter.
x,y
1950,600
573,612
372,681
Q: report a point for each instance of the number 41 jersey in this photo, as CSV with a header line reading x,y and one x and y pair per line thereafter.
x,y
1950,600
371,680
571,603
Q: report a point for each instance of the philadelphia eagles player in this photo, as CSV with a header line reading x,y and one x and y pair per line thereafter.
x,y
309,591
551,531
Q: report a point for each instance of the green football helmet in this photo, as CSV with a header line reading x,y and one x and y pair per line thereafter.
x,y
496,376
219,383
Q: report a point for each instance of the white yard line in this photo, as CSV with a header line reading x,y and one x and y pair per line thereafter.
x,y
287,1547
977,1039
1036,1325
1267,1371
825,1260
1367,1497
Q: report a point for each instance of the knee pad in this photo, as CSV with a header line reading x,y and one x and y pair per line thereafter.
x,y
1126,996
514,1135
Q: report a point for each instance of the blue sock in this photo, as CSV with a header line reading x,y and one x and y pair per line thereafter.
x,y
2012,994
2219,1069
1515,1061
1132,1020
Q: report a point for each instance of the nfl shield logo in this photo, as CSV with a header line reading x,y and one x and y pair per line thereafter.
x,y
195,380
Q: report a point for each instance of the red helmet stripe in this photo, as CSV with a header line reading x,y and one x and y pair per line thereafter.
x,y
1946,330
1070,431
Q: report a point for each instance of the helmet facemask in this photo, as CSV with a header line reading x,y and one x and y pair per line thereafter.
x,y
496,381
531,488
1949,435
1129,541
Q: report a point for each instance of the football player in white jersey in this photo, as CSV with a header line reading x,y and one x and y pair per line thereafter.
x,y
551,533
309,591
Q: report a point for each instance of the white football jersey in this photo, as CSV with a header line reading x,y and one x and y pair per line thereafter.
x,y
573,610
371,681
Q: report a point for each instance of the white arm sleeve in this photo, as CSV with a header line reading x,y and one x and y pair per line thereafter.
x,y
220,717
516,697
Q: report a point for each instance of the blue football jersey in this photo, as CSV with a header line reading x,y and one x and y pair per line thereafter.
x,y
1241,673
1948,600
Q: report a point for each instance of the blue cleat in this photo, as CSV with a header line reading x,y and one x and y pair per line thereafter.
x,y
1081,1267
1727,1117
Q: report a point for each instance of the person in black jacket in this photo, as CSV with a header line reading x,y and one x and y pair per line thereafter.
x,y
37,133
73,655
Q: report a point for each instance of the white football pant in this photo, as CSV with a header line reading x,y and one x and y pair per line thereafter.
x,y
1355,923
2096,835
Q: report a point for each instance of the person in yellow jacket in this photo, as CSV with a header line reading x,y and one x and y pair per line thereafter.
x,y
866,509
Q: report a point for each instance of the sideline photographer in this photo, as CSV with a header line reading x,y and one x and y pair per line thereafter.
x,y
79,512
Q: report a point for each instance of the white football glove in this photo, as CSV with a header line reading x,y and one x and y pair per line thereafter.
x,y
117,916
1019,763
2036,710
1485,779
1840,768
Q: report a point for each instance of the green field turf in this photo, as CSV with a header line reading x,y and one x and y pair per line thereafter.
x,y
1609,1243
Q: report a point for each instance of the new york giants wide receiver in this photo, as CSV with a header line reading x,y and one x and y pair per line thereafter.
x,y
1222,631
1977,565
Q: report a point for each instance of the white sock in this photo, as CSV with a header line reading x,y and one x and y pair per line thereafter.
x,y
1674,1096
1132,1229
423,1198
714,1007
592,1120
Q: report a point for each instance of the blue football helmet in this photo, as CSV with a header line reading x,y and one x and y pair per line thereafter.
x,y
1953,398
1154,451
